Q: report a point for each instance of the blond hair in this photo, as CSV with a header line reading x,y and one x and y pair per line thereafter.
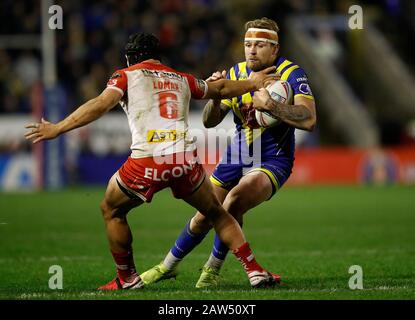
x,y
263,23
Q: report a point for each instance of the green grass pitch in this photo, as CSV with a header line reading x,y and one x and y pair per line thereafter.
x,y
311,236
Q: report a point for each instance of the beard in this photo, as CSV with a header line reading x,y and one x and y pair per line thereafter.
x,y
255,66
258,65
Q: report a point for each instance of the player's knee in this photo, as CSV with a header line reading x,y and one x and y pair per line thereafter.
x,y
200,223
106,210
214,210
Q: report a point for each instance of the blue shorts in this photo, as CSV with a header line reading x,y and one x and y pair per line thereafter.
x,y
278,170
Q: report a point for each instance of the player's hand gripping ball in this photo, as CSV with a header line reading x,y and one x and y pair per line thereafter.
x,y
281,92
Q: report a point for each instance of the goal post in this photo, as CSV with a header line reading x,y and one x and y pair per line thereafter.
x,y
47,97
54,106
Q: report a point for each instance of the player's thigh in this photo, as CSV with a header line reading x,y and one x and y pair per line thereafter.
x,y
205,200
200,223
115,198
252,189
220,192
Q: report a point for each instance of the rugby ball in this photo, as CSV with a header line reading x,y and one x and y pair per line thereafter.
x,y
280,91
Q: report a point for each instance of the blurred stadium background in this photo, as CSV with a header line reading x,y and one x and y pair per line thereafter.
x,y
363,81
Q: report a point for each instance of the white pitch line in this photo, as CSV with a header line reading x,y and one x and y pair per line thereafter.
x,y
51,259
222,292
260,253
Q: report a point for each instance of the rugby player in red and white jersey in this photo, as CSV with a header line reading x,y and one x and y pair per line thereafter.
x,y
156,101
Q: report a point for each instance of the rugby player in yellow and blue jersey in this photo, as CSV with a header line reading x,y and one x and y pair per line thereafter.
x,y
243,179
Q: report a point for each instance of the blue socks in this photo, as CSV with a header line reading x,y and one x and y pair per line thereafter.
x,y
186,242
219,250
218,254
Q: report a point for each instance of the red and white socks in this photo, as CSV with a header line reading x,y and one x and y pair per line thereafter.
x,y
258,276
125,266
246,257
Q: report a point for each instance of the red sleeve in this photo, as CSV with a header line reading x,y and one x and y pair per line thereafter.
x,y
198,87
118,81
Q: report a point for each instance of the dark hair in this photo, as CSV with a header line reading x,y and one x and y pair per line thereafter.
x,y
142,46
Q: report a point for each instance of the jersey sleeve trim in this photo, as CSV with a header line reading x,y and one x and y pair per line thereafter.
x,y
118,81
304,95
198,87
205,90
116,88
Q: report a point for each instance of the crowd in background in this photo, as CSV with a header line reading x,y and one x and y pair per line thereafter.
x,y
197,36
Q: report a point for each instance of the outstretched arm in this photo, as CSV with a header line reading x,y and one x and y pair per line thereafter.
x,y
231,88
219,88
301,115
86,113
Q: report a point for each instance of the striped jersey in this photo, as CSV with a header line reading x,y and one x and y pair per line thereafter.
x,y
275,141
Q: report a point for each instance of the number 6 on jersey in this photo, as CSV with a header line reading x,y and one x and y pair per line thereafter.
x,y
168,105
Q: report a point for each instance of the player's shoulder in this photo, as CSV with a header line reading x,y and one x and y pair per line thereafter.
x,y
290,70
284,64
118,79
119,73
297,75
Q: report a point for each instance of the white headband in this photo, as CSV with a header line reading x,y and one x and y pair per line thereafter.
x,y
257,34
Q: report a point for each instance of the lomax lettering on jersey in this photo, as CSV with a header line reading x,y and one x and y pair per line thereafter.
x,y
165,85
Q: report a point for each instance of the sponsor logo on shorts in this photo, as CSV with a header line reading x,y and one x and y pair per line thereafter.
x,y
166,175
201,84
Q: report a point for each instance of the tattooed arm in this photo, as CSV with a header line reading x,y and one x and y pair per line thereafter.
x,y
301,115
